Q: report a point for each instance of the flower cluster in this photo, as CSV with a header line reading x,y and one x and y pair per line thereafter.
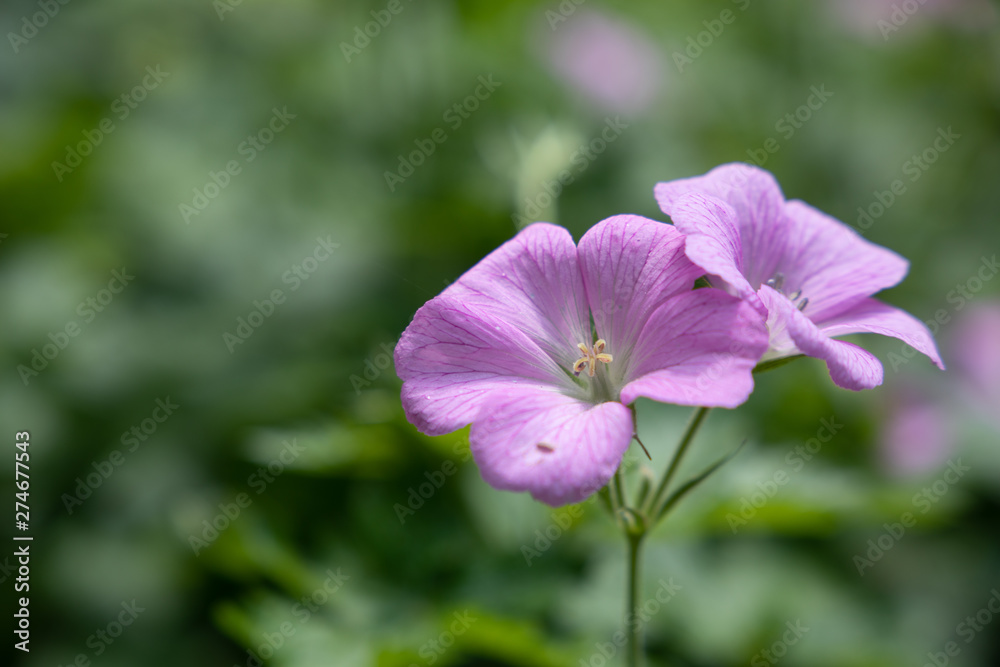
x,y
544,345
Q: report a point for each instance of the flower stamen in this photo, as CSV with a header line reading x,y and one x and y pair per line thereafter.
x,y
590,358
777,282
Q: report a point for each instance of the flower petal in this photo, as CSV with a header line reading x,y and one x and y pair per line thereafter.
x,y
757,201
699,348
834,266
630,266
873,316
454,353
558,448
533,283
850,366
712,241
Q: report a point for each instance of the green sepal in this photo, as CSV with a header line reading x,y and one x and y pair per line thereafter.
x,y
766,366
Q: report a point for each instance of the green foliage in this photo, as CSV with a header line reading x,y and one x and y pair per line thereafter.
x,y
289,456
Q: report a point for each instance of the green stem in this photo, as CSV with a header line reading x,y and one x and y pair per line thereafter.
x,y
637,522
633,654
657,499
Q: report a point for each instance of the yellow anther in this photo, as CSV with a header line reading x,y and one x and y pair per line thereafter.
x,y
590,358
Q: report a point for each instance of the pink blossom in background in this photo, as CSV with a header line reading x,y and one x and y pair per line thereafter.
x,y
607,61
975,347
917,434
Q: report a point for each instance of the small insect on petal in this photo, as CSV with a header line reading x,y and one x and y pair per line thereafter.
x,y
545,447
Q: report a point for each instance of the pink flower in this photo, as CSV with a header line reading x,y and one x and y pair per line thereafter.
x,y
917,435
608,62
976,348
811,275
543,345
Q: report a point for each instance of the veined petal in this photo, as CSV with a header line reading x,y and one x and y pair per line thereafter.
x,y
454,353
559,449
533,283
712,241
699,348
630,266
873,316
757,201
833,266
851,367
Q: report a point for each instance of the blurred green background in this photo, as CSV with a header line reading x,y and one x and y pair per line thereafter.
x,y
213,153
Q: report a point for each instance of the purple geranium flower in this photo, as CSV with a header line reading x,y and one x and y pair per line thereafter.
x,y
543,345
811,275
